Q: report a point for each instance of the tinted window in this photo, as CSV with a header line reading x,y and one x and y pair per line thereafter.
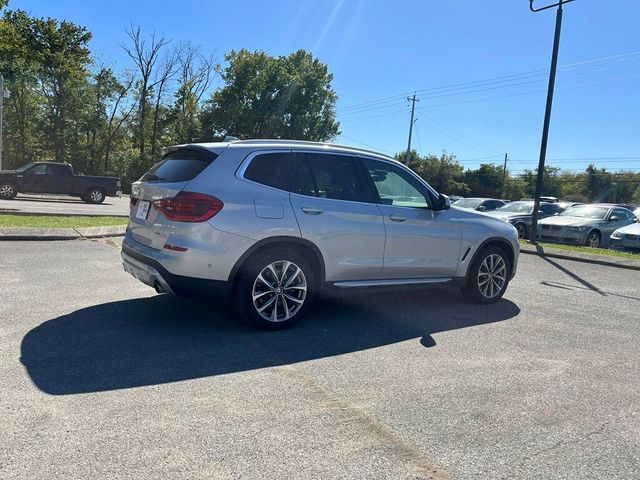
x,y
395,186
335,177
304,184
59,170
180,166
549,209
39,169
622,214
271,169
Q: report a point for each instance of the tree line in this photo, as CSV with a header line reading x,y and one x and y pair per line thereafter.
x,y
68,105
446,174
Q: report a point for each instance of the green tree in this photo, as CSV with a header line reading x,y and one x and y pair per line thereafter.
x,y
486,181
273,97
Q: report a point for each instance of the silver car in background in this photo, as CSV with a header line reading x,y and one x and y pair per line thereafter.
x,y
589,225
272,223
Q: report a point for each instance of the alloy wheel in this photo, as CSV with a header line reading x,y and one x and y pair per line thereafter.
x,y
96,196
279,291
6,191
492,276
593,240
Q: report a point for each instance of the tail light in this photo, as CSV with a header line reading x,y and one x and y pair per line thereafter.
x,y
132,202
189,207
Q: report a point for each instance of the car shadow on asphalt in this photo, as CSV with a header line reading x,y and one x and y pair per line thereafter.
x,y
162,339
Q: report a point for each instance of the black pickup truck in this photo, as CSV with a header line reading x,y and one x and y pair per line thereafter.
x,y
56,179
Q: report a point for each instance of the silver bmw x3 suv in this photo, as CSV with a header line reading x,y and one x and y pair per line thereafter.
x,y
272,223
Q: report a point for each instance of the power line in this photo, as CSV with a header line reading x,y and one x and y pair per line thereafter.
x,y
492,80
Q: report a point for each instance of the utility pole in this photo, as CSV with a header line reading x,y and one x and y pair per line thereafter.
x,y
547,113
413,101
504,172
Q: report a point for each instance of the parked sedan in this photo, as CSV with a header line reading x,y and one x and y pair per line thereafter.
x,y
519,214
479,204
627,237
589,225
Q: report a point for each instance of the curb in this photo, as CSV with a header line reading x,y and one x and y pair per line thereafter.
x,y
61,233
618,262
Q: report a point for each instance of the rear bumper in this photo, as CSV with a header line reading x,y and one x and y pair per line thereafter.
x,y
151,273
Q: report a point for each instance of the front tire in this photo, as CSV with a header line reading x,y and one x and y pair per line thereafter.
x,y
594,239
95,196
274,289
522,230
8,191
488,276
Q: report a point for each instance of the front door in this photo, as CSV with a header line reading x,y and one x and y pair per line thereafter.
x,y
421,242
36,179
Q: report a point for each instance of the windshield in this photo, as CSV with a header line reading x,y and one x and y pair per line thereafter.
x,y
468,203
595,213
518,207
24,167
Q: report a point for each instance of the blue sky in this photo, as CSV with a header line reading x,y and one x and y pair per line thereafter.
x,y
381,51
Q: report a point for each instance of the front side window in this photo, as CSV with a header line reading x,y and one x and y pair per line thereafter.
x,y
271,169
549,209
39,169
395,186
621,214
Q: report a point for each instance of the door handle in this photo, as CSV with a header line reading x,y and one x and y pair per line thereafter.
x,y
397,218
312,211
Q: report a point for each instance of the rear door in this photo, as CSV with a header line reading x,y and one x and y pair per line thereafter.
x,y
334,211
421,242
166,179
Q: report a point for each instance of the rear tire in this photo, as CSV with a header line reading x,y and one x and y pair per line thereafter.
x,y
488,276
8,191
95,196
274,289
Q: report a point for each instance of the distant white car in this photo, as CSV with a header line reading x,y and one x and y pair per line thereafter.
x,y
627,237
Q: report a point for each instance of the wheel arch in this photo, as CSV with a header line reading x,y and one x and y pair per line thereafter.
x,y
305,247
499,242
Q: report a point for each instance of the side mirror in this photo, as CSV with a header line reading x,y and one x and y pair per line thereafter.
x,y
614,218
481,208
444,202
556,214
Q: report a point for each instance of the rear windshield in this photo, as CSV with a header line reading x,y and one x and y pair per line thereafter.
x,y
180,166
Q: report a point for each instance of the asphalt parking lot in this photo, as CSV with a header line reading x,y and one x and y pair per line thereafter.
x,y
101,377
64,205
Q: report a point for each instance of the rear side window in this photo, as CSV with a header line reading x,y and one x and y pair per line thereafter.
x,y
180,166
271,169
335,177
